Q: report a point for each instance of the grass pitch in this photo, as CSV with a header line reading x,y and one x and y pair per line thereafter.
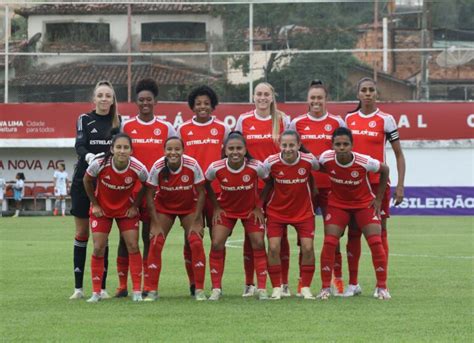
x,y
430,279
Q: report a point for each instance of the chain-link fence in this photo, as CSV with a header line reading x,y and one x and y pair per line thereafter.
x,y
56,51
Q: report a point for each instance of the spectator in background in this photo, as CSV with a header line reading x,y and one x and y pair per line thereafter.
x,y
18,192
2,192
61,185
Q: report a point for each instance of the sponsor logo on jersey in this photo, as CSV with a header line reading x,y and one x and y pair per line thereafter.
x,y
128,179
225,180
333,172
185,178
372,124
307,128
328,127
281,173
214,132
94,130
355,174
203,141
301,171
157,132
259,136
246,178
353,123
134,131
252,128
190,133
107,177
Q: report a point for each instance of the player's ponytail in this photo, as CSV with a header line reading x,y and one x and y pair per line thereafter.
x,y
166,171
236,135
277,116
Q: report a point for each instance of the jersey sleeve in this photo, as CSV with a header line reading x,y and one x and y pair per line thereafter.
x,y
226,131
286,121
143,175
94,168
314,163
323,158
82,137
211,173
55,175
171,130
266,168
391,129
238,126
372,165
261,170
341,121
198,174
153,175
292,125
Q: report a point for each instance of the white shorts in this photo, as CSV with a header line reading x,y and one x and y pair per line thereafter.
x,y
60,191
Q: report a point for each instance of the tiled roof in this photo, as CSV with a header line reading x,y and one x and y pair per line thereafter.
x,y
89,74
108,8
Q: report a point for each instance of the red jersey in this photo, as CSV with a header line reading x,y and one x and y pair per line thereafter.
x,y
114,187
350,187
177,194
291,199
204,141
370,132
238,195
257,132
316,136
148,138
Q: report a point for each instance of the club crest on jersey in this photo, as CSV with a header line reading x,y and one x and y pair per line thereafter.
x,y
246,178
328,127
128,179
157,132
301,171
214,132
185,178
372,124
94,223
355,174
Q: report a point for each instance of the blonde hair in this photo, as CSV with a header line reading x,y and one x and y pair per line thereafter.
x,y
114,107
276,115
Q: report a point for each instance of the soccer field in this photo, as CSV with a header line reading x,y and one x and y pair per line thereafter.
x,y
430,279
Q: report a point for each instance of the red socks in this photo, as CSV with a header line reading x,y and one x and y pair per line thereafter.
x,y
327,259
385,242
152,278
275,275
285,257
198,259
136,270
122,271
216,263
379,259
249,266
307,272
337,270
353,254
260,261
188,263
97,270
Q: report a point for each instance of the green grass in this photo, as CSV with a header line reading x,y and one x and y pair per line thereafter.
x,y
431,282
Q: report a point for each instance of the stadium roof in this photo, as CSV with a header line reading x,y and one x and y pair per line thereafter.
x,y
81,73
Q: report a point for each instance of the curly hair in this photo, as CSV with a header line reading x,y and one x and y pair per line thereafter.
x,y
203,90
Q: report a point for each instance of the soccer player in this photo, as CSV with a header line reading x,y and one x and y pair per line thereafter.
x,y
18,192
371,128
261,128
351,198
315,129
203,137
116,174
61,185
177,179
237,175
148,135
94,131
291,204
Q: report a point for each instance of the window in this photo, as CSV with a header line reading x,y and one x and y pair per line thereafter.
x,y
78,32
173,31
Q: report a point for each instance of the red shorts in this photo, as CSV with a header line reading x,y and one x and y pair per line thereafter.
x,y
341,217
321,200
305,228
173,216
104,224
248,223
385,208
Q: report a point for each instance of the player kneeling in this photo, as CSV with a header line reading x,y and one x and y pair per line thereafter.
x,y
237,175
116,174
177,179
351,198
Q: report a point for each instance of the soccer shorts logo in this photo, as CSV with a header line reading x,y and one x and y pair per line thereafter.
x,y
328,127
214,132
94,224
157,132
355,174
301,171
185,178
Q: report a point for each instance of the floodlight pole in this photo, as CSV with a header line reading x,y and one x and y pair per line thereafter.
x,y
7,25
129,58
250,52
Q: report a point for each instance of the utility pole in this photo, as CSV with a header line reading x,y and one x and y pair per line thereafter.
x,y
424,91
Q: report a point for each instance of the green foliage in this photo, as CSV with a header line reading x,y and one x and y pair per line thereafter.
x,y
430,279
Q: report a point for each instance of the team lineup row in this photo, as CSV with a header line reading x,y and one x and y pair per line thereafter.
x,y
288,186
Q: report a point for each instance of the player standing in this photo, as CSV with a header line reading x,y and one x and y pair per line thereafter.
x,y
177,179
238,176
94,131
315,129
371,128
261,129
148,135
61,185
116,174
203,137
18,192
291,204
351,198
